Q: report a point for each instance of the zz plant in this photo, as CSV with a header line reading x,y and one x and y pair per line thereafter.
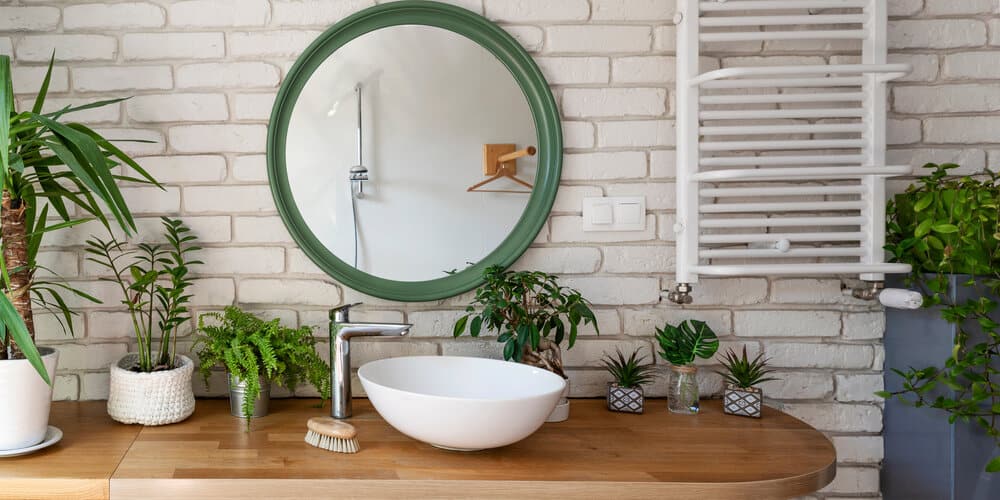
x,y
944,225
532,313
47,163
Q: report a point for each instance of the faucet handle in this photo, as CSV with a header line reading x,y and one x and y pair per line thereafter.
x,y
342,313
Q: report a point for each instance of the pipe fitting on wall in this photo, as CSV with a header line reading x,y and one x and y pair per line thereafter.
x,y
681,294
870,291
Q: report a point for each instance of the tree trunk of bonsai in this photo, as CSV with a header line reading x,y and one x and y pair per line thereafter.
x,y
548,357
15,254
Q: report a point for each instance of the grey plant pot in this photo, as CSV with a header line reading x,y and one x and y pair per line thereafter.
x,y
625,399
742,402
237,394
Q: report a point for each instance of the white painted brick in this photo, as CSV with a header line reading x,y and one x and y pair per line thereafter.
x,y
994,32
289,292
952,8
665,224
899,131
314,13
863,326
253,106
925,67
51,329
107,78
250,168
936,33
535,12
590,352
260,230
970,66
961,129
971,159
838,417
89,357
104,114
574,70
643,69
229,199
590,384
947,98
905,7
632,10
597,39
639,259
39,48
643,322
368,350
578,260
854,480
63,264
111,16
859,449
530,37
29,18
599,166
787,323
617,291
658,195
807,291
178,107
270,43
229,138
802,355
635,134
859,388
28,79
7,46
730,291
473,348
147,46
185,169
242,260
798,385
213,292
436,323
607,321
578,135
614,102
109,294
300,263
200,13
569,229
662,164
213,229
66,388
109,325
570,198
228,75
152,199
95,386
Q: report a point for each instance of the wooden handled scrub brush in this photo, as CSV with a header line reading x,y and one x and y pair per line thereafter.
x,y
331,434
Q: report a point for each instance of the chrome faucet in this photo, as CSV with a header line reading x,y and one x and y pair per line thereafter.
x,y
341,333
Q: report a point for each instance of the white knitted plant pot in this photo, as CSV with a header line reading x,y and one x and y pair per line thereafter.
x,y
156,398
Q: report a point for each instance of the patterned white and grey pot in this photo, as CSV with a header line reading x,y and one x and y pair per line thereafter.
x,y
744,402
625,399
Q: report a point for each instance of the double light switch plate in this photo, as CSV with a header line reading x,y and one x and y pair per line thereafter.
x,y
623,213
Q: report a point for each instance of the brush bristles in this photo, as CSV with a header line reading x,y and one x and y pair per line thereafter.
x,y
331,443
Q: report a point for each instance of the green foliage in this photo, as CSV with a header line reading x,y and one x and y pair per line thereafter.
x,y
155,288
683,343
943,226
628,372
250,348
742,372
524,308
44,163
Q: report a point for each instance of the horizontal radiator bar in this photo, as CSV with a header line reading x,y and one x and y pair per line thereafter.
x,y
725,253
775,237
783,20
781,191
805,206
783,98
778,114
783,222
750,36
822,128
748,161
755,83
791,173
780,5
799,269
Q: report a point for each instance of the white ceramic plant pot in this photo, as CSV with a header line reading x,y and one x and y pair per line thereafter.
x,y
26,399
561,413
157,398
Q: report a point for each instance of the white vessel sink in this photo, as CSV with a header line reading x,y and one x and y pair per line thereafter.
x,y
463,404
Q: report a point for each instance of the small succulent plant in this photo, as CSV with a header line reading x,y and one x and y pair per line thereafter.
x,y
628,372
742,372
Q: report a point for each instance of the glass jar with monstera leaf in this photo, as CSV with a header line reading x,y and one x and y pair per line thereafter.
x,y
681,345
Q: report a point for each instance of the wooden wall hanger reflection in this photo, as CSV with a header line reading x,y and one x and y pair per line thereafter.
x,y
499,162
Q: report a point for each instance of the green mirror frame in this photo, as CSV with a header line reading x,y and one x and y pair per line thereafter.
x,y
524,70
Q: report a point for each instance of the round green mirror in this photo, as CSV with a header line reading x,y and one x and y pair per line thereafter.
x,y
411,146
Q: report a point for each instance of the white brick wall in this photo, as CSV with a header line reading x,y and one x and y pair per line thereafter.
x,y
202,75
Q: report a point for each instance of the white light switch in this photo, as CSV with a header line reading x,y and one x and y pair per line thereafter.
x,y
614,214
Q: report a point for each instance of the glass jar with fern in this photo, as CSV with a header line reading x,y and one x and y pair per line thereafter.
x,y
625,391
681,345
742,376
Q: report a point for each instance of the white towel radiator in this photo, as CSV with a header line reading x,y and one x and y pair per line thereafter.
x,y
781,169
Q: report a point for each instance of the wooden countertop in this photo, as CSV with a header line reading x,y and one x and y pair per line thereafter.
x,y
595,453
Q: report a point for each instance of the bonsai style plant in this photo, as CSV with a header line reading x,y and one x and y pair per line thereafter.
x,y
681,345
46,164
533,315
948,229
255,353
742,375
625,393
153,385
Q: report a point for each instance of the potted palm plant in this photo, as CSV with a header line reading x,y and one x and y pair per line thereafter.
x,y
742,375
681,345
153,385
255,353
625,392
46,164
533,315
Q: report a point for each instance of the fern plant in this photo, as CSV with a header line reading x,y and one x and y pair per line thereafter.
x,y
628,372
689,340
251,348
742,372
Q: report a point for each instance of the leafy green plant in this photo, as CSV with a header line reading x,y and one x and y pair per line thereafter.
x,y
742,372
532,313
682,344
154,287
48,164
628,372
941,226
250,348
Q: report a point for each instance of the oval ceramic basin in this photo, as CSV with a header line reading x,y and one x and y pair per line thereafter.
x,y
458,403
